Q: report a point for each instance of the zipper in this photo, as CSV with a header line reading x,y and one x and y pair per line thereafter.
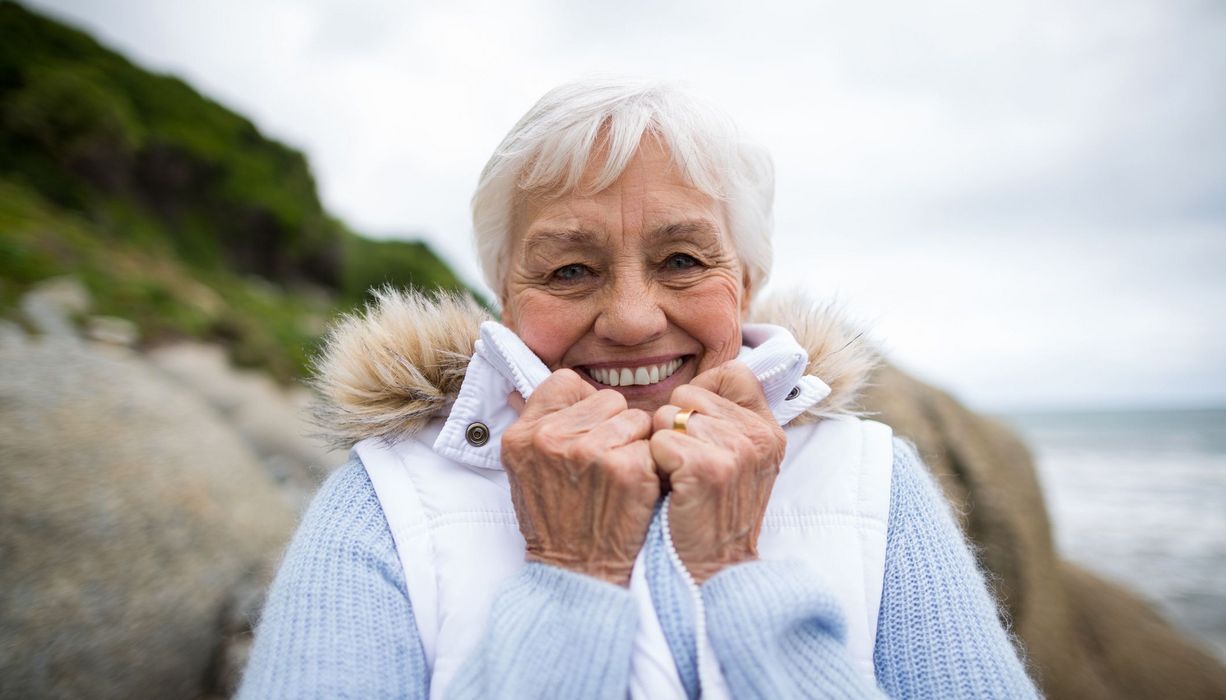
x,y
770,373
700,617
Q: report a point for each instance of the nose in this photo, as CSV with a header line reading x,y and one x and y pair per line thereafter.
x,y
630,314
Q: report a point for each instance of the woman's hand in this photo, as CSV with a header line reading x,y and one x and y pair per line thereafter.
x,y
721,469
582,478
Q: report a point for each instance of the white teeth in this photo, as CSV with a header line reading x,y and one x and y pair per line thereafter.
x,y
635,376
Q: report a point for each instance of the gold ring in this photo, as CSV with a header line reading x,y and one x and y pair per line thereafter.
x,y
682,419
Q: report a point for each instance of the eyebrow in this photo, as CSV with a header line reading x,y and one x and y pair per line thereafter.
x,y
584,237
558,237
682,229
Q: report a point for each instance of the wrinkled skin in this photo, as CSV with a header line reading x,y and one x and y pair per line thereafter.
x,y
640,273
582,477
720,470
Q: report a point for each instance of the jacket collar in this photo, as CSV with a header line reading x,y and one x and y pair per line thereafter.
x,y
502,363
390,371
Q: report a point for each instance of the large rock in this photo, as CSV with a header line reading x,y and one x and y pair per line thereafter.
x,y
133,524
1083,637
271,418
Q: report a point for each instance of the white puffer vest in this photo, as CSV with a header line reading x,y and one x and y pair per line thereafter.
x,y
448,504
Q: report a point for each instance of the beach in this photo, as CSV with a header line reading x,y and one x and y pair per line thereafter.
x,y
1140,497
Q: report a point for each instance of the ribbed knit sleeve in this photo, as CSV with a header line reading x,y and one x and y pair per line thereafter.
x,y
778,633
337,622
553,634
938,633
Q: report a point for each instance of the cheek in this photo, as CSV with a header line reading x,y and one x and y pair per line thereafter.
x,y
548,326
712,315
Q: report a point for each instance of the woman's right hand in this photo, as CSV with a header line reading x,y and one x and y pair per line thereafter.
x,y
582,477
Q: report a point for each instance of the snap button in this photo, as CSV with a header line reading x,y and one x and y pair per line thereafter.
x,y
477,434
793,393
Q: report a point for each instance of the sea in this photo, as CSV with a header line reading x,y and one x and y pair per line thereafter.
x,y
1140,498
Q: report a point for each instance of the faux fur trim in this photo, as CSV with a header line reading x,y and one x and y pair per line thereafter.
x,y
840,354
387,371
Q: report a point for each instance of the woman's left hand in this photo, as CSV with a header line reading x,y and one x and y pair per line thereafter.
x,y
721,469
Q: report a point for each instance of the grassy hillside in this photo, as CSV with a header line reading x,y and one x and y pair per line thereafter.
x,y
175,211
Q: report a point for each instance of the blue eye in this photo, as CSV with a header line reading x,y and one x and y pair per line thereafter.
x,y
570,273
680,261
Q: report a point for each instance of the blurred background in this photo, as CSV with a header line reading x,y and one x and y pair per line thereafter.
x,y
1025,201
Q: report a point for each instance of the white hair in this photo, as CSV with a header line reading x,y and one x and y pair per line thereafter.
x,y
549,149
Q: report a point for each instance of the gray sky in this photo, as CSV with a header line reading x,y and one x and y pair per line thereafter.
x,y
1024,199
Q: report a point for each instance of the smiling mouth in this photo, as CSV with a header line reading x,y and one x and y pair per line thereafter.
x,y
635,376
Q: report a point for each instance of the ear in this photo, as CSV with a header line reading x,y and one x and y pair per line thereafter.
x,y
505,316
746,296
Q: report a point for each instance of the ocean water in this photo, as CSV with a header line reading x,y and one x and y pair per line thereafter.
x,y
1140,498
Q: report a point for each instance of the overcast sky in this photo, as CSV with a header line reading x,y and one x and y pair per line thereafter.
x,y
1024,199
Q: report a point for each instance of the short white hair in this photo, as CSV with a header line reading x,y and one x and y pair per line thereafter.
x,y
549,149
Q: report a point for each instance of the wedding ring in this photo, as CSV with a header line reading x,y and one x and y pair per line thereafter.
x,y
681,419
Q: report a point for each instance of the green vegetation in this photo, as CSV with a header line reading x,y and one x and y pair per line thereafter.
x,y
175,212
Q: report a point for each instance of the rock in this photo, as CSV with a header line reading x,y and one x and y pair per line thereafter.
x,y
130,518
51,304
271,418
11,333
1082,636
112,330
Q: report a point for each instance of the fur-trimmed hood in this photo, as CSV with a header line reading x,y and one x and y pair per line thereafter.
x,y
388,371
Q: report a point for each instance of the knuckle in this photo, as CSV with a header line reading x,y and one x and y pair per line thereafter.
x,y
511,445
611,398
638,418
562,384
553,383
743,444
517,437
660,418
578,452
658,439
770,440
512,434
722,469
684,395
545,439
762,430
779,438
622,473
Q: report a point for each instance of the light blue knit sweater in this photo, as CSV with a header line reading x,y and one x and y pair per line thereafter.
x,y
338,621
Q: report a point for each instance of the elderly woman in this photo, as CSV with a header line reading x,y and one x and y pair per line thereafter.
x,y
624,488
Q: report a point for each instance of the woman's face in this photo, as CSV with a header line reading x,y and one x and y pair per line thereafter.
x,y
636,287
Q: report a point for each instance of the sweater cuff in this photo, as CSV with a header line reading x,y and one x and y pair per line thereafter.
x,y
749,600
575,592
574,633
778,632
